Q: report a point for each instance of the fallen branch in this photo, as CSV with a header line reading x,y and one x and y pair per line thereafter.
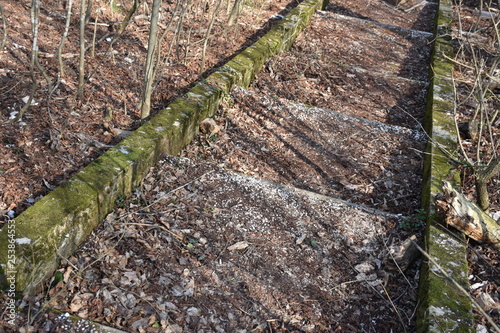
x,y
466,217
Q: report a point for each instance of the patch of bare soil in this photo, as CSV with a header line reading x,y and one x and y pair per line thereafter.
x,y
206,250
476,40
61,134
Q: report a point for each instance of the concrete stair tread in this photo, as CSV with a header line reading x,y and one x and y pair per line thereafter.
x,y
389,100
243,192
371,77
410,14
368,45
254,245
368,21
320,150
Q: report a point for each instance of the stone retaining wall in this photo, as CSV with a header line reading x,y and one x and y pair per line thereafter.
x,y
442,308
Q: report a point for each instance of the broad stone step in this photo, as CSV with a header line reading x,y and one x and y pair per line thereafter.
x,y
410,14
348,89
355,67
246,252
319,150
368,45
394,28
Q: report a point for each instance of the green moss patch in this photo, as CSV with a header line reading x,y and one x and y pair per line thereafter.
x,y
442,307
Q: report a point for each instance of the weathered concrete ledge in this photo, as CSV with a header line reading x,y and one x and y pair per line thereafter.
x,y
442,307
56,225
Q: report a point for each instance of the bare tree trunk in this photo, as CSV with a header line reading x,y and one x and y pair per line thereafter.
x,y
207,36
235,13
63,39
92,49
81,64
34,12
482,179
149,72
127,18
88,11
4,23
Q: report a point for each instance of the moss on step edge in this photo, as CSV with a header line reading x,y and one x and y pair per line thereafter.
x,y
442,307
56,225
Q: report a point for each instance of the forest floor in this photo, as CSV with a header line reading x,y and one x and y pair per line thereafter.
x,y
60,135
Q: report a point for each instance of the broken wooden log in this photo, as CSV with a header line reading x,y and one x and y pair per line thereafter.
x,y
466,216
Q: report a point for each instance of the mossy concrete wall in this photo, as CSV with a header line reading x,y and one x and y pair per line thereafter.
x,y
54,227
442,307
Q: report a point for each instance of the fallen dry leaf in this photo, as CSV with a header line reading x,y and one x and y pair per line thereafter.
x,y
238,246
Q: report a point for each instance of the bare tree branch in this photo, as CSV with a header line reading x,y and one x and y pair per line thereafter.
x,y
207,35
81,64
149,76
63,40
35,9
127,18
4,24
235,13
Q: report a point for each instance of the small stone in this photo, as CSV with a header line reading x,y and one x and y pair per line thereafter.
x,y
478,285
300,239
481,329
209,126
238,246
487,302
193,312
495,216
364,277
364,267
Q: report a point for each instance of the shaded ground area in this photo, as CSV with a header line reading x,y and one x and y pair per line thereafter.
x,y
416,15
206,250
355,67
319,150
